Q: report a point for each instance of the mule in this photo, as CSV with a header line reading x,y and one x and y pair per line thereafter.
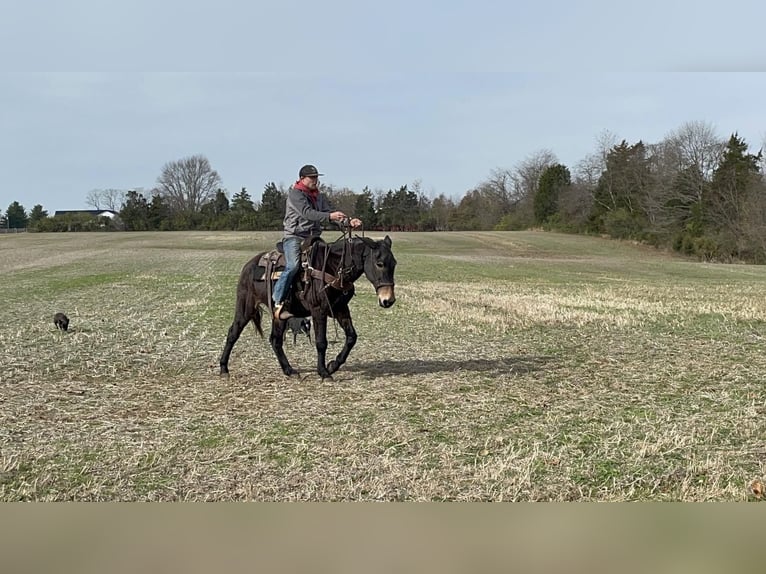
x,y
322,289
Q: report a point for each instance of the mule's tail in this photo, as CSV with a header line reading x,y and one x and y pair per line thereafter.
x,y
249,307
257,319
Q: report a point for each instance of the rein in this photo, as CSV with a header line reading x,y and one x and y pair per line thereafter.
x,y
346,263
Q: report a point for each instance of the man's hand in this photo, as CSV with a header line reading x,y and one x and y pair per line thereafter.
x,y
356,223
337,216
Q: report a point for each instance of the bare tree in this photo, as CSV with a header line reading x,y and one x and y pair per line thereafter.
x,y
574,204
500,187
682,167
93,198
112,199
189,183
588,170
523,181
526,174
441,209
697,145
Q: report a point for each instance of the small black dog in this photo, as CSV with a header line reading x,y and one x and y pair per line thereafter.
x,y
61,321
299,325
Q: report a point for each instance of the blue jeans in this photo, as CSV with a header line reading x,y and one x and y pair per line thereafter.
x,y
292,249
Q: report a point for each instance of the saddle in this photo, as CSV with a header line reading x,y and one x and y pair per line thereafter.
x,y
269,265
272,263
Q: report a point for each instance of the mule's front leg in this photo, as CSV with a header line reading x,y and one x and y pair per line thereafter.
x,y
320,340
276,339
344,318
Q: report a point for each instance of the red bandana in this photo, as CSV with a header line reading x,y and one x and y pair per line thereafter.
x,y
311,193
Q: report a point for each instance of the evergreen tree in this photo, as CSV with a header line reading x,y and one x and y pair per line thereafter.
x,y
216,212
37,215
364,209
16,216
618,197
158,214
272,209
135,212
553,181
242,213
734,193
399,210
242,202
220,203
732,180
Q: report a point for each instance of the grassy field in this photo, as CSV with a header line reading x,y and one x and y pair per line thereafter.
x,y
514,366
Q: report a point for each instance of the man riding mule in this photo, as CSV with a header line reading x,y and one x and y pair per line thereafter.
x,y
305,209
323,289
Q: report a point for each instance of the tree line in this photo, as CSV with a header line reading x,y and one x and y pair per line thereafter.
x,y
692,192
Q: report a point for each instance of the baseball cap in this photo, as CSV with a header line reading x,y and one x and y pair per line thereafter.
x,y
309,171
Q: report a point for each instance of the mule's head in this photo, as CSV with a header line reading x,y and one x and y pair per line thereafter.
x,y
379,265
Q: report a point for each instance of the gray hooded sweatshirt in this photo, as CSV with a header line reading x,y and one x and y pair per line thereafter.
x,y
301,217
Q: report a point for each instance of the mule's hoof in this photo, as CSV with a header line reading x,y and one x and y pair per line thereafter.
x,y
290,372
224,374
332,367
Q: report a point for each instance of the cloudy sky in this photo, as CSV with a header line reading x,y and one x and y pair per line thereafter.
x,y
100,95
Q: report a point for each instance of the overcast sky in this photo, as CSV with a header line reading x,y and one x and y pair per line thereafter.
x,y
379,96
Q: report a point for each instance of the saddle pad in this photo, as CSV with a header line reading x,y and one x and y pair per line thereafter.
x,y
277,262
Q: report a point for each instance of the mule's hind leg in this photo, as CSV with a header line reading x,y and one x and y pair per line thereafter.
x,y
343,315
240,321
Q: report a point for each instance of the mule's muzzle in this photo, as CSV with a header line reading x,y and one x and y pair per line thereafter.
x,y
386,296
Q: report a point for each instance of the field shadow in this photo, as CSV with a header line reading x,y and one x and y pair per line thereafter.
x,y
500,366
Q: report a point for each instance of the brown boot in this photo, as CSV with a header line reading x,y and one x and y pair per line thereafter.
x,y
279,314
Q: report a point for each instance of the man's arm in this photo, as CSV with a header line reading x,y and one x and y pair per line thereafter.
x,y
324,204
298,201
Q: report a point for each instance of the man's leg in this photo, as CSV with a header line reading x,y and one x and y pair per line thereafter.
x,y
292,249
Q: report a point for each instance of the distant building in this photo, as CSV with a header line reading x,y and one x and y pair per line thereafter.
x,y
94,212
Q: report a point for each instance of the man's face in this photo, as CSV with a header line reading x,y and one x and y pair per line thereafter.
x,y
311,182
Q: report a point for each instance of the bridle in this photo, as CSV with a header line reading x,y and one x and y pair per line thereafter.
x,y
347,261
342,279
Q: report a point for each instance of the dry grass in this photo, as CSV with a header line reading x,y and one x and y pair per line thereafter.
x,y
514,366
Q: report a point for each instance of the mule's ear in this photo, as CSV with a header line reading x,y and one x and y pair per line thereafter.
x,y
387,240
